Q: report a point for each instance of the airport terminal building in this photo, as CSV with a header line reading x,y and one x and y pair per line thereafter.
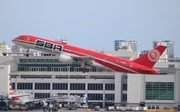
x,y
43,75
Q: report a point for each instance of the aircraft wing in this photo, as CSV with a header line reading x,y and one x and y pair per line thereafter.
x,y
33,100
83,58
19,96
40,102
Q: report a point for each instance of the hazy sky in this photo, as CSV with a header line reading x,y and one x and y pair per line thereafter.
x,y
93,23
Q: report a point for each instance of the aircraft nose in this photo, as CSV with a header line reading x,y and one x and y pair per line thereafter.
x,y
13,40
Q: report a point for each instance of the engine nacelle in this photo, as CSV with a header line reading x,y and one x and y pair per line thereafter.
x,y
40,104
66,59
43,103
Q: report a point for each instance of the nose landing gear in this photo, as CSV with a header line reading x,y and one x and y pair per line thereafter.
x,y
84,70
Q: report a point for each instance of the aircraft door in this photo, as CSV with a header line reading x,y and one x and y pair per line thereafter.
x,y
131,65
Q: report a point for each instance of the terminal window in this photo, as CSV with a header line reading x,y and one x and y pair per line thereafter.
x,y
92,96
13,86
42,86
124,98
95,86
109,97
125,87
42,95
109,86
77,86
60,86
159,90
27,86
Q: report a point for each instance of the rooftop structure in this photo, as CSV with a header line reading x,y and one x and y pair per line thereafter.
x,y
125,45
4,48
170,47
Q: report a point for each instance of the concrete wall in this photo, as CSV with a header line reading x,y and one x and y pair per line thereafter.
x,y
9,60
118,87
4,79
177,88
135,89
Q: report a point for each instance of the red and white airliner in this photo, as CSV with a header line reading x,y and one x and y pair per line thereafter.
x,y
70,55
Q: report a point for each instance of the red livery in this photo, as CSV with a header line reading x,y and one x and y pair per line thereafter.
x,y
71,55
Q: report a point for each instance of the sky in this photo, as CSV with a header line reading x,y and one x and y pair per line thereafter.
x,y
93,23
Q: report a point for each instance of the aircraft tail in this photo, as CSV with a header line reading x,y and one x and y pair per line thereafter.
x,y
10,85
151,57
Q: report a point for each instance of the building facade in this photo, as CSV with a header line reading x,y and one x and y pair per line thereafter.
x,y
16,49
170,47
44,75
4,49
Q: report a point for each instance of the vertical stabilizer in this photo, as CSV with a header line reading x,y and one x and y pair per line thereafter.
x,y
151,57
10,85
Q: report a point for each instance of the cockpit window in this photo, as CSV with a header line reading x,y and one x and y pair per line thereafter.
x,y
19,37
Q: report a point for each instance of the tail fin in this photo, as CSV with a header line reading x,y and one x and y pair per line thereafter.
x,y
151,57
10,85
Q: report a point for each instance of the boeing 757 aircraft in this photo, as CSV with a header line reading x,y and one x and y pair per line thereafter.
x,y
71,55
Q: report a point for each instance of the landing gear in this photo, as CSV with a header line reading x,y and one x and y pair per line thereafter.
x,y
23,107
29,106
84,70
84,66
27,53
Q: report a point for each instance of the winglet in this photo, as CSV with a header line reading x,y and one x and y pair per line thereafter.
x,y
151,57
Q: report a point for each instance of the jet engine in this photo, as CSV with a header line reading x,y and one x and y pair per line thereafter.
x,y
43,103
40,104
66,59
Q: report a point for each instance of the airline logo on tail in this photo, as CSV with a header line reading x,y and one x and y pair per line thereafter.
x,y
153,55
